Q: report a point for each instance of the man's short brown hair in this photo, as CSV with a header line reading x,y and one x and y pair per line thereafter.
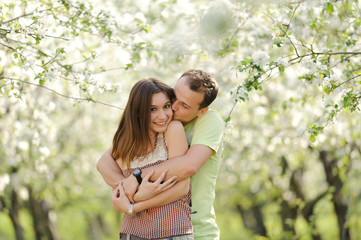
x,y
201,81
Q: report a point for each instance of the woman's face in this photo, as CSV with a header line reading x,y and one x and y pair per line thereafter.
x,y
160,113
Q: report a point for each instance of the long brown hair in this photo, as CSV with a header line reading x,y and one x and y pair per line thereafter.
x,y
132,136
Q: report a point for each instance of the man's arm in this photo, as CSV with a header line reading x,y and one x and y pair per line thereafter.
x,y
208,134
109,169
172,194
121,202
183,166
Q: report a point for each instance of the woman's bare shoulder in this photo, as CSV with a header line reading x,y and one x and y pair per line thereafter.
x,y
173,127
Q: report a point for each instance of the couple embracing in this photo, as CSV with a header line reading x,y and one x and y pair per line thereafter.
x,y
165,159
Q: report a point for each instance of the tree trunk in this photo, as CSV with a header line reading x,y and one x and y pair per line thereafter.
x,y
95,228
43,223
14,215
288,217
307,210
253,219
339,204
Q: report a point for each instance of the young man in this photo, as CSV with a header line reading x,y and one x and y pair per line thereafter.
x,y
195,91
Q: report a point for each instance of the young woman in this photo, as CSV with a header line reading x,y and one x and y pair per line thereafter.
x,y
146,136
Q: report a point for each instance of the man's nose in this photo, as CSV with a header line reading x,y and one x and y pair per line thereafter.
x,y
175,105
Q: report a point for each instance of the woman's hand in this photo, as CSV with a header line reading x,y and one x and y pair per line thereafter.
x,y
147,189
119,200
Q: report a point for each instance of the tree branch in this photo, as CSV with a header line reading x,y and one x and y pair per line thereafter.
x,y
322,53
25,15
62,95
232,37
293,14
348,80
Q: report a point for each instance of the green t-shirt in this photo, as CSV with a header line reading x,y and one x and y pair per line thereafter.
x,y
206,130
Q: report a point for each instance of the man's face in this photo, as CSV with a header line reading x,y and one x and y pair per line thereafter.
x,y
186,106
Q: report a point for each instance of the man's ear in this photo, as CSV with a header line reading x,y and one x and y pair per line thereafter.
x,y
202,111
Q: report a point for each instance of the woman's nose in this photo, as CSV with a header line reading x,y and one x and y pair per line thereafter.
x,y
162,114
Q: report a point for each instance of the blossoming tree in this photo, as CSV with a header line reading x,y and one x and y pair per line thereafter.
x,y
292,69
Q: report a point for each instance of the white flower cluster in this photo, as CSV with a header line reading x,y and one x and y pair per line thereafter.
x,y
340,94
261,59
333,80
2,11
4,180
239,93
311,66
52,74
37,26
281,61
87,84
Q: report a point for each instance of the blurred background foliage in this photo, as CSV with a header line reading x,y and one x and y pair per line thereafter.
x,y
289,75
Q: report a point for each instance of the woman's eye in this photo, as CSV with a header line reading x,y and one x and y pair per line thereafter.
x,y
167,106
153,109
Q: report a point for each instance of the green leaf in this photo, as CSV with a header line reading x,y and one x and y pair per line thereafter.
x,y
128,66
312,138
319,128
149,52
179,59
277,42
327,73
330,8
41,54
281,68
16,55
327,90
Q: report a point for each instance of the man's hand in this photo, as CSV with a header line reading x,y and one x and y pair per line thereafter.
x,y
119,199
147,189
130,185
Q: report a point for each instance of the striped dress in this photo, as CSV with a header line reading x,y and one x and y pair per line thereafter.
x,y
168,220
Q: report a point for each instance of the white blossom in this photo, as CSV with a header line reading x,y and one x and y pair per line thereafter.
x,y
23,193
261,59
327,82
281,61
45,151
108,86
91,89
239,93
52,74
23,145
4,181
140,16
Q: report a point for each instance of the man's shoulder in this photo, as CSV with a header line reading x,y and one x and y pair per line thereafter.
x,y
211,117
